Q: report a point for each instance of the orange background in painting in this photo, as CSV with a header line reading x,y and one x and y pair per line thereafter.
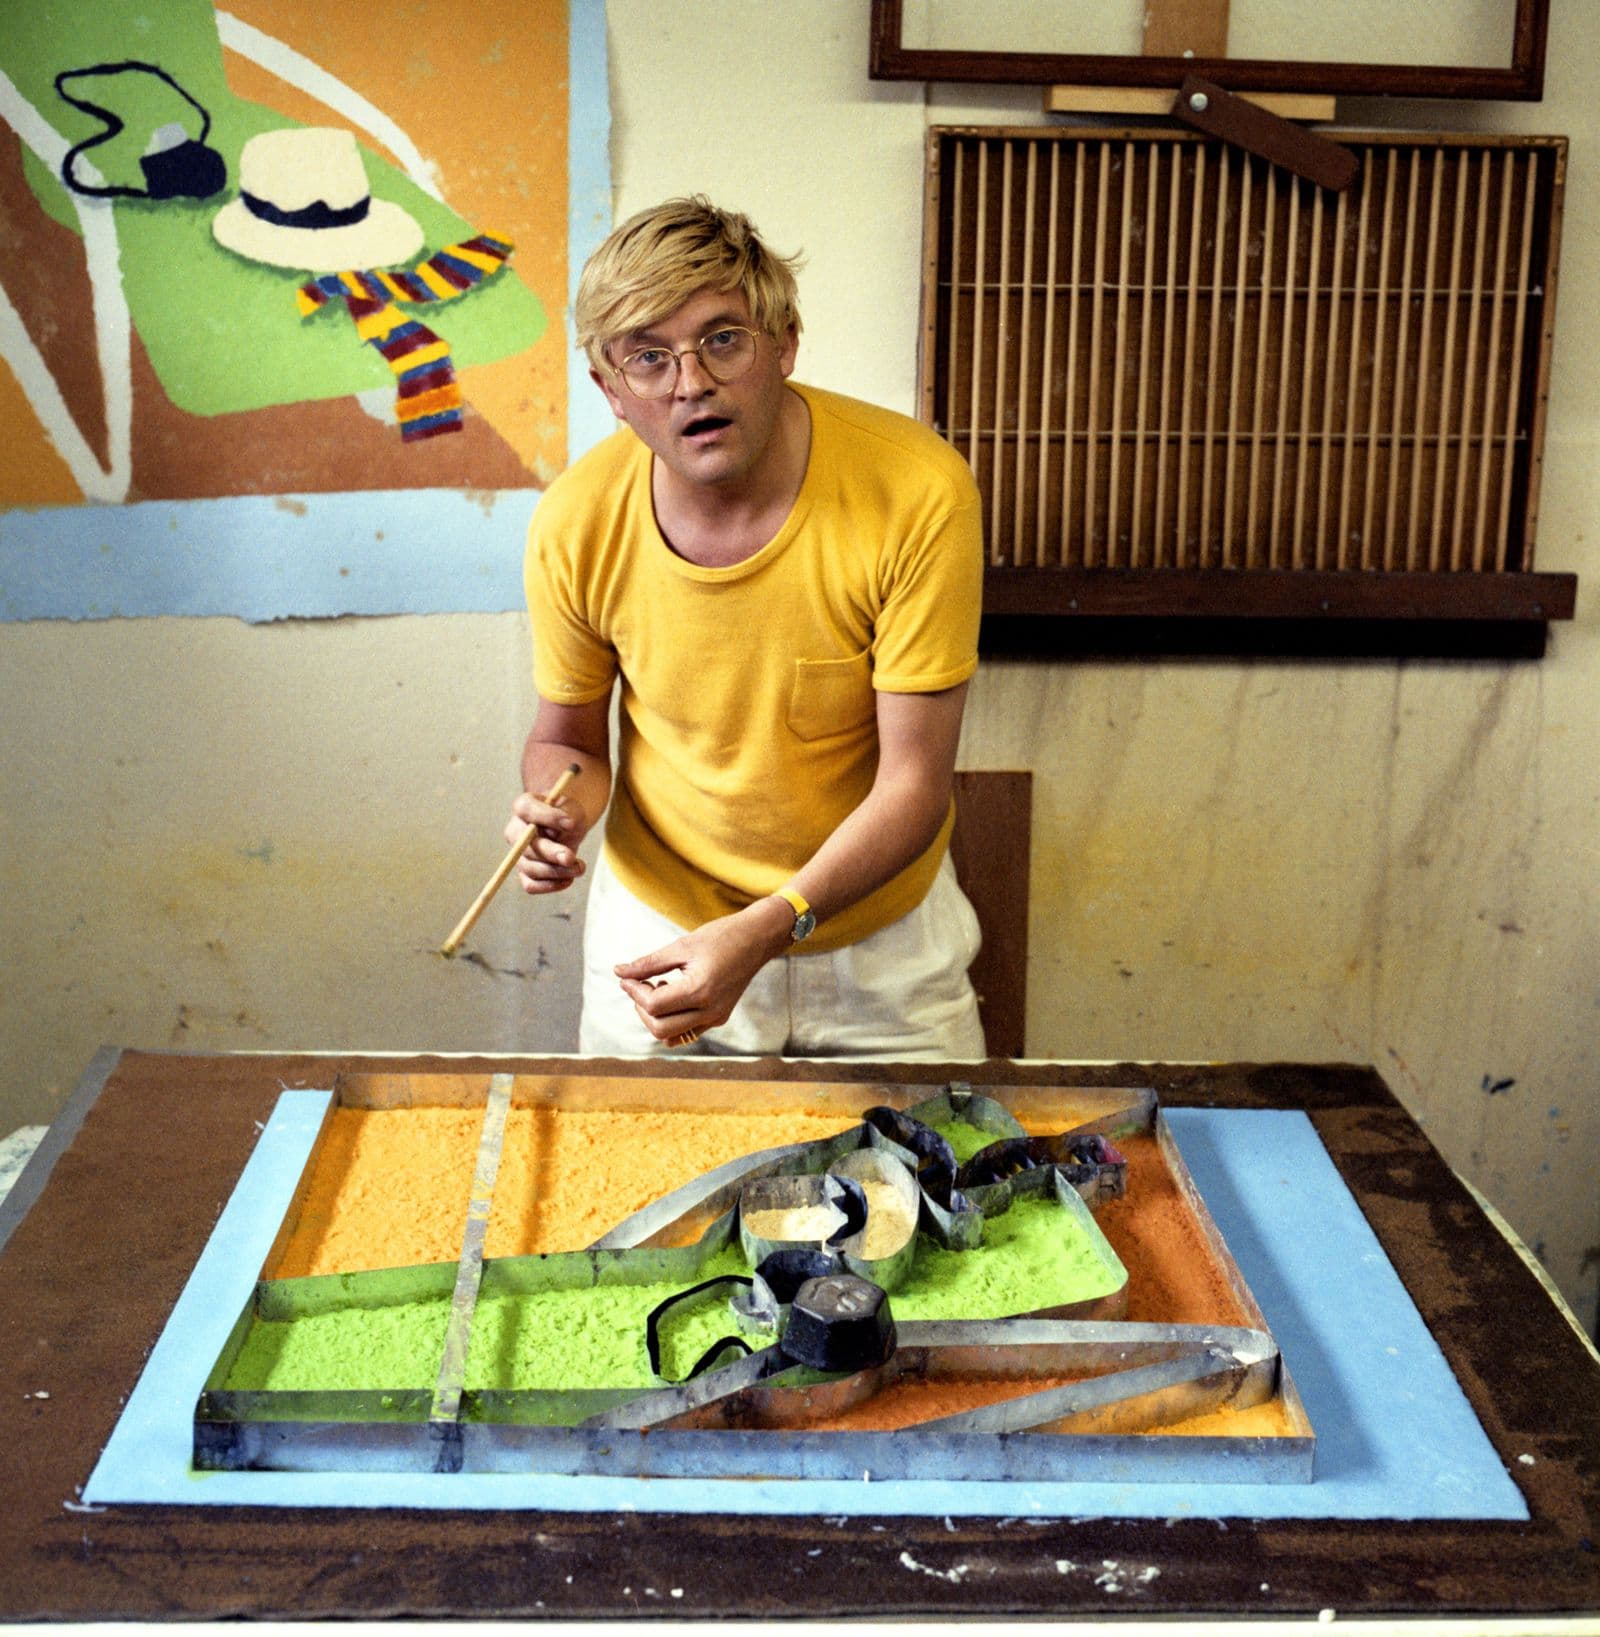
x,y
471,84
31,471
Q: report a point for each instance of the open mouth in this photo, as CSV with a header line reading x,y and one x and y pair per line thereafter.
x,y
702,425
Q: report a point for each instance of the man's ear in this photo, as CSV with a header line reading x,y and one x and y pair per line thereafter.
x,y
613,397
788,347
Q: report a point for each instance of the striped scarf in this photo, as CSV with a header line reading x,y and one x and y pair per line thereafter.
x,y
428,399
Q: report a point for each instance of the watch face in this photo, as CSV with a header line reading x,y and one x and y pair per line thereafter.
x,y
804,925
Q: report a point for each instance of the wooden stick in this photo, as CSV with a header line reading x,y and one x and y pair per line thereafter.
x,y
1502,532
1164,550
1492,364
1419,435
1469,369
1070,402
1254,557
958,224
1280,459
1235,359
1214,347
1024,356
1046,390
1181,533
1452,299
1097,300
1233,407
507,865
1330,373
1302,464
980,246
1382,296
1146,324
1391,555
1002,354
1341,540
1118,348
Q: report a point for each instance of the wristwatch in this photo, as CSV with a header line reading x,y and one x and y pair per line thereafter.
x,y
805,923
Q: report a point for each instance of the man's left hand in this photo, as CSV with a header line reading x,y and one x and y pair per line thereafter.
x,y
694,982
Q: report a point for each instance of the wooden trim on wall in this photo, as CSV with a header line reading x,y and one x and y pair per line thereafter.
x,y
990,847
1106,638
1222,593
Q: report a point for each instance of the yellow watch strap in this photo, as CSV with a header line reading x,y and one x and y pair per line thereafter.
x,y
793,900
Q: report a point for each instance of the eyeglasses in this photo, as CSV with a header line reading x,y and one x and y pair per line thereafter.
x,y
725,354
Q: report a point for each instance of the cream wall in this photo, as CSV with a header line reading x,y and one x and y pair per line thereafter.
x,y
220,836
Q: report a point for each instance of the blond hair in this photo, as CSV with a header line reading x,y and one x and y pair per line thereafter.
x,y
657,259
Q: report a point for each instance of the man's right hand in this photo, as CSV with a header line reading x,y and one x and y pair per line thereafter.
x,y
563,736
551,862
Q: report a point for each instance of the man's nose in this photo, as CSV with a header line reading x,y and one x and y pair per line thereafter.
x,y
694,380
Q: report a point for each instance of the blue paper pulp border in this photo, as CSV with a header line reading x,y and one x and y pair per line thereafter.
x,y
318,556
1395,1436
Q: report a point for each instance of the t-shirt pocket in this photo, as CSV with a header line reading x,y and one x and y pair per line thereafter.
x,y
831,696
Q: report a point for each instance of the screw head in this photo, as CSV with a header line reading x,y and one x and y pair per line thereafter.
x,y
839,1322
1199,102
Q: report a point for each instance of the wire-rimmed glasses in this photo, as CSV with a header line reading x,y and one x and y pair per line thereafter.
x,y
725,353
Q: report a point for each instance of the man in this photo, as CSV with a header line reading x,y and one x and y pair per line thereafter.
x,y
787,584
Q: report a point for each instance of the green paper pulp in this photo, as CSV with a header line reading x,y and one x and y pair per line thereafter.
x,y
966,1140
1034,1256
345,1350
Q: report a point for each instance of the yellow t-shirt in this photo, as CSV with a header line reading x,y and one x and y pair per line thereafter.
x,y
747,709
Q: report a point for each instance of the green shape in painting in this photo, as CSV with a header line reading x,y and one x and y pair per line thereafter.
x,y
223,333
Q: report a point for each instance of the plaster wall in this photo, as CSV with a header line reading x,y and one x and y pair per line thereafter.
x,y
224,836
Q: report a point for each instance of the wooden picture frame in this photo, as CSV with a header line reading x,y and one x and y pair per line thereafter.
x,y
1521,81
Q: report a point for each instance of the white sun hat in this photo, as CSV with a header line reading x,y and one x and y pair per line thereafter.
x,y
304,203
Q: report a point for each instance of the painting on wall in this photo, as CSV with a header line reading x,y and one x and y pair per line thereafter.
x,y
282,298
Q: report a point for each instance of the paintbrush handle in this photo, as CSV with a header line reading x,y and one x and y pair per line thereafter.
x,y
507,865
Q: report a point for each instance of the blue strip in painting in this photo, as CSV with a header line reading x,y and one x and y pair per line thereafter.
x,y
462,269
1395,1436
588,202
269,557
424,423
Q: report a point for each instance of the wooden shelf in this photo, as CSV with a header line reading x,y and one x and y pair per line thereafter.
x,y
1304,612
1219,593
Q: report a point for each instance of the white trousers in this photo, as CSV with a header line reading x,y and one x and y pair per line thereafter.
x,y
901,993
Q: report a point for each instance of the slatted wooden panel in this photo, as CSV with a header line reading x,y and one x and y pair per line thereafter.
x,y
1159,352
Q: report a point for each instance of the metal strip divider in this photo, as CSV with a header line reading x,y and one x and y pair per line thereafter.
x,y
444,1415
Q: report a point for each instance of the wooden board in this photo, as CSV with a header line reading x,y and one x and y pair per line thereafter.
x,y
990,847
1152,103
1186,28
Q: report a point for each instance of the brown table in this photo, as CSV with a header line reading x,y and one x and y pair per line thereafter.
x,y
122,1195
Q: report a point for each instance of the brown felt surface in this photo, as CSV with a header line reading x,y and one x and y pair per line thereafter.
x,y
91,1273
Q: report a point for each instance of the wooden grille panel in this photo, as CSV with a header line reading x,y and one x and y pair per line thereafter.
x,y
1159,352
